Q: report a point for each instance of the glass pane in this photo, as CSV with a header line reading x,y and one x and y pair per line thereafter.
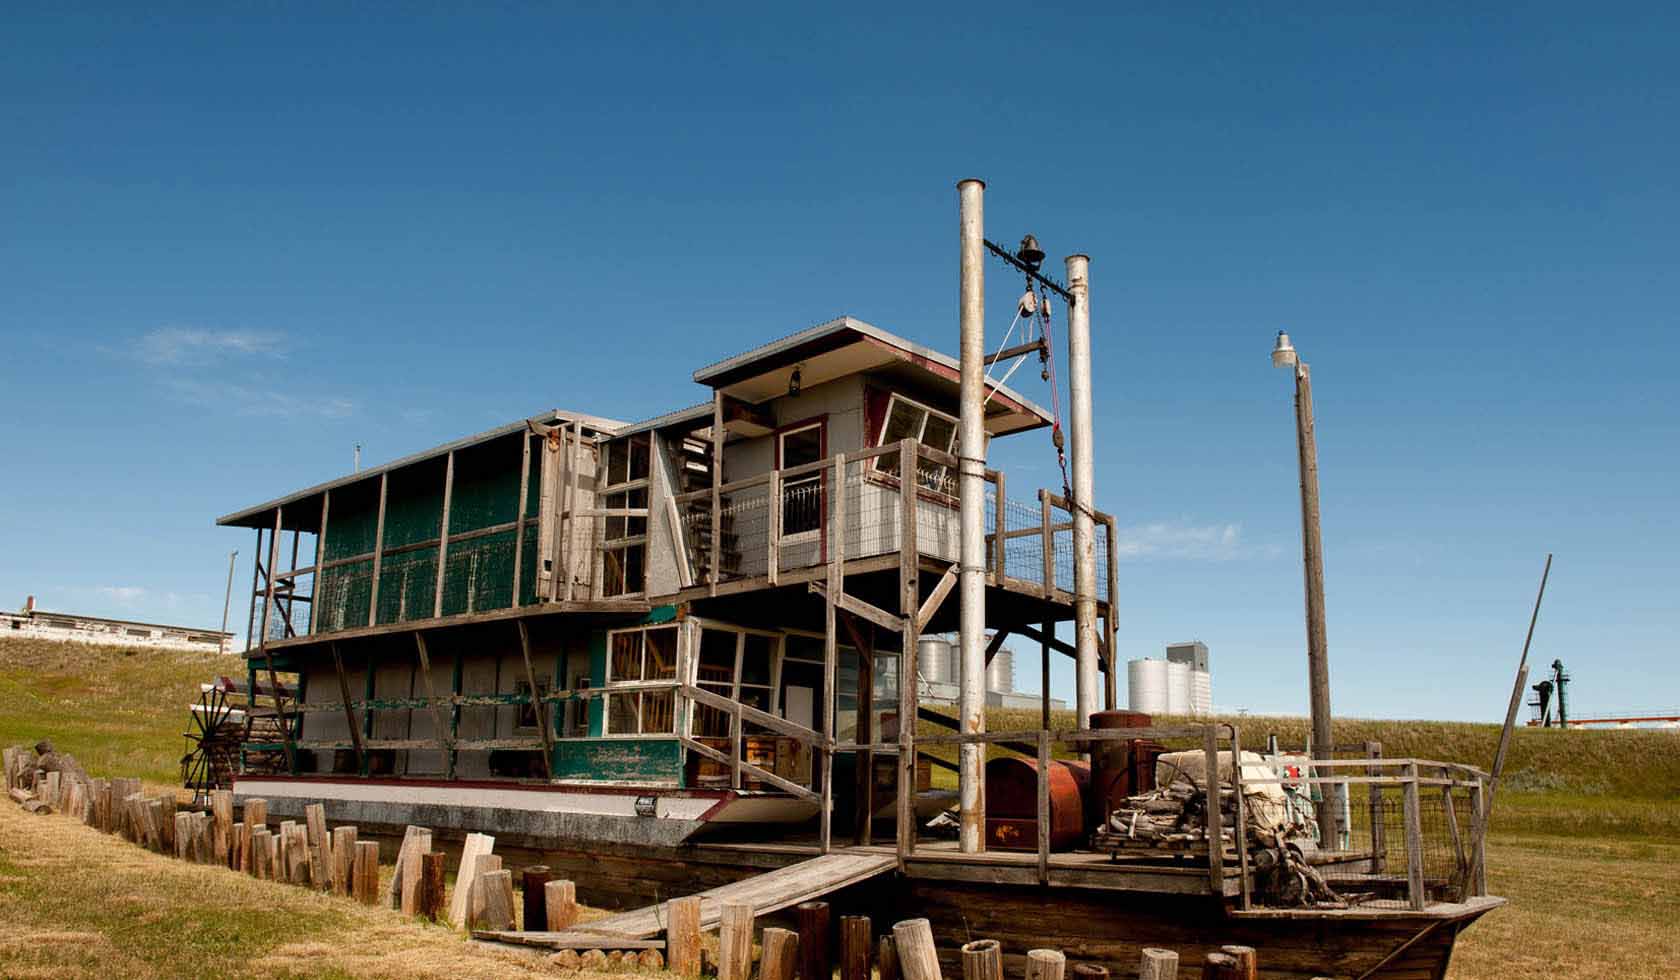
x,y
755,661
940,433
657,712
626,657
904,421
661,663
801,446
624,714
717,658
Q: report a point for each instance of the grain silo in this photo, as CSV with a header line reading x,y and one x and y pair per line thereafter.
x,y
1146,686
1000,673
1178,688
1201,693
934,657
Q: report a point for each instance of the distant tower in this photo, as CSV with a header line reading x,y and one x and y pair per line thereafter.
x,y
1194,655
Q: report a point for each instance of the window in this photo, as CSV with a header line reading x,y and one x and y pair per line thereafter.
x,y
635,658
624,465
907,419
802,496
739,665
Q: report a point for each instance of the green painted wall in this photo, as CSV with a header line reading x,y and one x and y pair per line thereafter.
x,y
636,759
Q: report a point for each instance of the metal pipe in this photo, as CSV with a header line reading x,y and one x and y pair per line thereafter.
x,y
972,489
1084,532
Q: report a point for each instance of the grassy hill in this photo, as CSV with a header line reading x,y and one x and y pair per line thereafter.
x,y
119,711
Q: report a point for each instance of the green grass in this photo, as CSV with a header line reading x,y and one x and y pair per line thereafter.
x,y
119,711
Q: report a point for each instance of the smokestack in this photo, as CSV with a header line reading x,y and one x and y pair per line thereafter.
x,y
1084,537
971,453
29,606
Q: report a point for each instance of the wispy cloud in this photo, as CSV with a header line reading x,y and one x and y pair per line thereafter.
x,y
201,346
260,402
124,594
1184,540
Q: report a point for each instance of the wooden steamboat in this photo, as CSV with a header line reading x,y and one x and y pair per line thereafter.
x,y
679,656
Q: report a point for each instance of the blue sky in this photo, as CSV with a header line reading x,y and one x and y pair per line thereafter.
x,y
238,243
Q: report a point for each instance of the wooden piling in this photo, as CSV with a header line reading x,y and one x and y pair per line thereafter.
x,y
259,853
780,957
344,859
735,935
593,961
560,909
1221,966
431,885
476,847
221,830
982,959
533,895
1158,964
857,947
282,870
365,872
814,961
682,934
918,958
319,844
1089,971
298,861
236,846
1248,961
886,958
492,901
415,845
276,870
183,833
1046,964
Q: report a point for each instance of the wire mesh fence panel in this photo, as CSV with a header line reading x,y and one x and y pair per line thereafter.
x,y
407,585
342,599
1371,867
478,574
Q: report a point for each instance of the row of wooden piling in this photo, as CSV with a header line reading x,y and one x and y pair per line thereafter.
x,y
904,952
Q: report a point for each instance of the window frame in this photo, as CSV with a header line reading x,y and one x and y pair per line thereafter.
x,y
819,478
692,674
880,464
641,686
623,542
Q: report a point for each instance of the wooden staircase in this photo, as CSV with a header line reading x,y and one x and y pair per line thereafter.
x,y
693,464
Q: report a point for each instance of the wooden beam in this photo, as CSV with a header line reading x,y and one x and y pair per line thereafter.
x,y
519,516
538,705
1055,643
378,552
443,533
996,644
444,741
909,601
863,815
857,607
320,556
712,570
349,713
941,589
1047,544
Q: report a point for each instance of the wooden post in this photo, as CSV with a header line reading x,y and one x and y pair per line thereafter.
x,y
560,910
378,554
1047,544
712,569
1111,619
909,604
1379,843
183,833
394,888
1043,807
982,959
682,935
735,935
1215,816
443,533
857,947
773,538
780,959
1158,964
918,958
533,888
1089,971
1248,962
1414,839
320,845
365,872
1221,966
221,841
297,858
153,813
886,958
414,849
445,744
1045,964
539,708
236,846
343,859
431,886
166,823
259,852
492,901
1478,839
863,811
476,847
814,962
272,861
349,711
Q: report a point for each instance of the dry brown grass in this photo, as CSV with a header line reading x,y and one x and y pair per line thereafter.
x,y
78,903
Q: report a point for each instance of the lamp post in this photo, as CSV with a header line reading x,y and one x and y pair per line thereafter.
x,y
1312,560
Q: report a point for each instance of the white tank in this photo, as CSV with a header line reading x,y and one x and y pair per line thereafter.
x,y
935,660
1201,693
1146,686
1000,673
1178,688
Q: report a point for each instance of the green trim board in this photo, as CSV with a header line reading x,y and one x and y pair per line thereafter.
x,y
653,759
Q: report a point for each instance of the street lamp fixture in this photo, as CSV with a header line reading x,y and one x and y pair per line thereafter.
x,y
1283,353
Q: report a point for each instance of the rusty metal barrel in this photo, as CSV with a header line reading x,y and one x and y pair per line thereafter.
x,y
1119,768
1012,803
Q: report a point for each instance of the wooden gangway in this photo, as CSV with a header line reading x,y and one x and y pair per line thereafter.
x,y
768,892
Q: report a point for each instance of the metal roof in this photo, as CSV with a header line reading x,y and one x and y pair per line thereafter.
x,y
243,518
715,375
